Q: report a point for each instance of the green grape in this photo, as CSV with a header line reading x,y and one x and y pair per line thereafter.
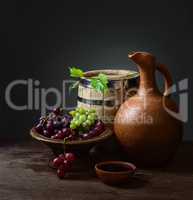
x,y
72,125
81,110
88,122
73,112
77,123
90,117
77,115
84,124
86,112
82,118
75,118
73,121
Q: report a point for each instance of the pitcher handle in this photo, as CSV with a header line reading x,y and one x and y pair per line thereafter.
x,y
168,79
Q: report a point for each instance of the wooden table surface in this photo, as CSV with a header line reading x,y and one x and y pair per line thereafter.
x,y
25,175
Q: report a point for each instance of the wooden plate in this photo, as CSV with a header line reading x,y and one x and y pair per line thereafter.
x,y
58,145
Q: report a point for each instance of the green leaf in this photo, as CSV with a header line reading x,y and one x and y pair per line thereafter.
x,y
103,78
75,72
99,83
94,83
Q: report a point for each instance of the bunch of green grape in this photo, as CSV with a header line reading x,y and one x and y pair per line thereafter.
x,y
83,119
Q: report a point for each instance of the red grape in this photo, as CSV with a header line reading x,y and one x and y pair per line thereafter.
x,y
57,124
67,165
63,168
58,135
98,130
68,117
49,127
62,156
61,171
57,161
56,111
64,122
70,157
55,131
63,163
71,137
46,134
66,131
39,128
99,127
86,136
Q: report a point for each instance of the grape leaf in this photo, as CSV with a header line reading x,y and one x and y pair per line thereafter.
x,y
103,78
75,72
99,83
95,84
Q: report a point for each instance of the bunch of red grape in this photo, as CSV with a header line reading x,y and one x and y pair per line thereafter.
x,y
63,164
80,124
55,125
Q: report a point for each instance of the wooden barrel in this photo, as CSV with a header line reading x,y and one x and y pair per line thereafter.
x,y
107,104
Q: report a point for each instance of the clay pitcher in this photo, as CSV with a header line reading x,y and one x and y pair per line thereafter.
x,y
145,129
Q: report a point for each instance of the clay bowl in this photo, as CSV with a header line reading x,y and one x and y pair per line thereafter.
x,y
114,172
77,146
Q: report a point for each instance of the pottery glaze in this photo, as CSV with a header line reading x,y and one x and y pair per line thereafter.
x,y
115,172
144,128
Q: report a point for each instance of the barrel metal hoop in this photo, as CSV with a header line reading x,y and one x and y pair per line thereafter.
x,y
108,103
87,83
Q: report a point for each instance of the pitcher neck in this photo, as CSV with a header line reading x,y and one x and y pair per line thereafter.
x,y
147,84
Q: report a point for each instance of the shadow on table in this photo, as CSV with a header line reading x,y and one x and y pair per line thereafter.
x,y
138,181
182,163
83,168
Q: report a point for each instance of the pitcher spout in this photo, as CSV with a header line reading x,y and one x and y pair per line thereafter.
x,y
142,58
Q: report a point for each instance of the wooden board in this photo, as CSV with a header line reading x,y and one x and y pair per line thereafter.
x,y
24,175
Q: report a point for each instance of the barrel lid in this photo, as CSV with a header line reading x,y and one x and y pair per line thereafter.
x,y
112,74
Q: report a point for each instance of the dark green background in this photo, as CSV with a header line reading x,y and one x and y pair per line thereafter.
x,y
39,38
